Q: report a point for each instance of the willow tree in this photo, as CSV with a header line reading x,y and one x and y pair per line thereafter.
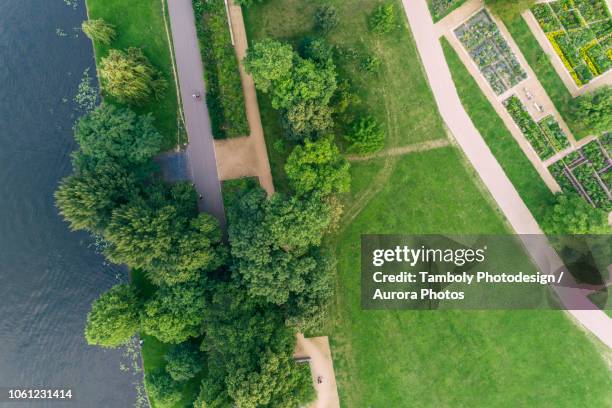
x,y
130,77
99,30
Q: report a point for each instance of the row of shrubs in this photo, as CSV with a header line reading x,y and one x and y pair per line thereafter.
x,y
224,95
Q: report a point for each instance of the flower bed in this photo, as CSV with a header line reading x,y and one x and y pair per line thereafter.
x,y
490,51
554,133
587,171
579,31
441,8
533,133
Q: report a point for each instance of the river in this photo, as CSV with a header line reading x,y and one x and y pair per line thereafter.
x,y
48,275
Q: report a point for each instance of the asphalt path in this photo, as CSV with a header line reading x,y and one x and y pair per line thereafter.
x,y
201,149
491,173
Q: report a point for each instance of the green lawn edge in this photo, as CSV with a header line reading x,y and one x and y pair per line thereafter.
x,y
141,23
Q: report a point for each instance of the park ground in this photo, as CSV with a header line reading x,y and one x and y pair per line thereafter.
x,y
443,358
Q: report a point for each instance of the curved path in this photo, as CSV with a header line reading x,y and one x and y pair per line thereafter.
x,y
491,173
201,149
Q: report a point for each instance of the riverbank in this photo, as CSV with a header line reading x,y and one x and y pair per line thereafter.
x,y
143,25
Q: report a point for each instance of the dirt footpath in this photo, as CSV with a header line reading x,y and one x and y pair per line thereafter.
x,y
321,367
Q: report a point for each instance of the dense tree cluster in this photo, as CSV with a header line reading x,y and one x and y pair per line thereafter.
x,y
571,214
594,110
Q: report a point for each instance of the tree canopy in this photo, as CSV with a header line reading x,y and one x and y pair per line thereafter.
x,y
268,61
162,388
174,313
113,318
317,166
183,361
129,76
594,110
99,30
571,214
168,239
112,133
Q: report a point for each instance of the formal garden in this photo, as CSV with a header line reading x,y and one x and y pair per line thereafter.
x,y
580,31
546,137
588,171
490,51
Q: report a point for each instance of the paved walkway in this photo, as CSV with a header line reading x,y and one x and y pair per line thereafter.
x,y
201,149
491,173
245,156
321,365
570,84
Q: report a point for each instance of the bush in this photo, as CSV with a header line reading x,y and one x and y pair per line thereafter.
x,y
113,318
183,362
382,20
130,77
99,30
317,167
318,50
366,136
371,64
326,18
162,388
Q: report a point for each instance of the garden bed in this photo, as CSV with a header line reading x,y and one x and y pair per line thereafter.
x,y
441,8
224,95
587,171
579,32
490,51
546,137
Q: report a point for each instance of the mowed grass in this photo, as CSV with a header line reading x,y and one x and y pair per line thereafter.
x,y
140,23
448,358
397,96
517,166
543,68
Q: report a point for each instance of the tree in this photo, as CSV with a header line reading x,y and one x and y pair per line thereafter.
x,y
326,18
366,136
507,10
174,313
268,61
87,198
594,110
113,318
167,238
383,19
99,30
112,133
317,50
130,77
571,214
183,362
162,388
318,167
307,119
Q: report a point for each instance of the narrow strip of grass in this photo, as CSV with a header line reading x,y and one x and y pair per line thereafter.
x,y
224,95
544,70
140,23
517,166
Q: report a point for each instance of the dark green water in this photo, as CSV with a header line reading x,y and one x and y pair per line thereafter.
x,y
48,275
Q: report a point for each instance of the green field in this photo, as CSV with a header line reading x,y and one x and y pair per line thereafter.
x,y
517,166
446,358
543,68
388,95
428,359
140,23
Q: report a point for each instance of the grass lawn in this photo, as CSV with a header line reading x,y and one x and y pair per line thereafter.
x,y
543,68
517,166
140,23
448,358
398,96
